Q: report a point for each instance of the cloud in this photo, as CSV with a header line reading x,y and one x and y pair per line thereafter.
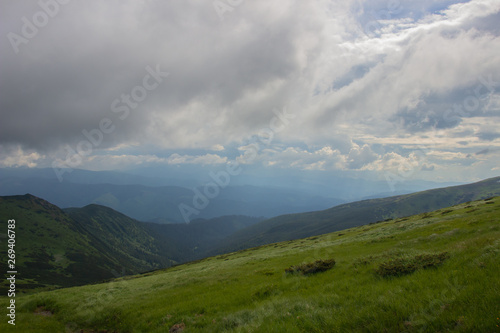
x,y
488,151
218,147
324,158
360,156
204,159
131,161
221,74
396,163
426,167
369,83
17,157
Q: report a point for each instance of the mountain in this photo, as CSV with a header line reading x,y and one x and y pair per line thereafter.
x,y
52,249
138,201
77,246
91,244
121,237
434,272
294,226
160,203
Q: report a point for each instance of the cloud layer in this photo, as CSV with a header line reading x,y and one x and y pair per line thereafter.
x,y
373,86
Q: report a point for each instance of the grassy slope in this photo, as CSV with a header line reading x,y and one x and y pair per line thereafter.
x,y
122,237
294,226
84,245
91,244
249,291
51,250
142,246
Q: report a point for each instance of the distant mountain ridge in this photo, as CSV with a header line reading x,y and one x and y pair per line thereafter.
x,y
161,203
154,194
295,226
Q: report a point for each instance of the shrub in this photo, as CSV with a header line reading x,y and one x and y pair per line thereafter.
x,y
403,266
312,267
431,260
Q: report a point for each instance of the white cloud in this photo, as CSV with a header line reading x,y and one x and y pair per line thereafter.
x,y
17,157
115,162
202,159
447,155
218,147
360,156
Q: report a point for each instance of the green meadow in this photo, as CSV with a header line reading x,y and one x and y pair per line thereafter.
x,y
433,272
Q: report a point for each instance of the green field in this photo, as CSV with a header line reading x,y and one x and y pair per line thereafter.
x,y
433,272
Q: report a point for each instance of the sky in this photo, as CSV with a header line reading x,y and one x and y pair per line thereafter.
x,y
395,89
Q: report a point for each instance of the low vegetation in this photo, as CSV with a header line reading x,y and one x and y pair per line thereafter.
x,y
312,267
402,266
447,269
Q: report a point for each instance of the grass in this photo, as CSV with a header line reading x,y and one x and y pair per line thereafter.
x,y
454,286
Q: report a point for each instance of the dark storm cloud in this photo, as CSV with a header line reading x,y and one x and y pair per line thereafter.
x,y
65,79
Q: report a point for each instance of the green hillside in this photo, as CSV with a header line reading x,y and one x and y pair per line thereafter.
x,y
122,238
51,249
57,249
62,248
294,226
431,272
146,246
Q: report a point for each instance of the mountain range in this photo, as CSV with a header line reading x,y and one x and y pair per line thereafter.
x,y
294,226
160,204
73,246
156,195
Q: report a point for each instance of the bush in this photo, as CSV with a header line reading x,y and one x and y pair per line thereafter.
x,y
403,266
312,267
